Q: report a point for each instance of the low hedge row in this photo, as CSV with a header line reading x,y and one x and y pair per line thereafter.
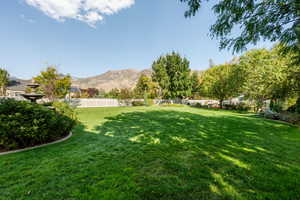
x,y
25,124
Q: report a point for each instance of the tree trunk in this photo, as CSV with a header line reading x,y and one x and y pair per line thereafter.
x,y
221,103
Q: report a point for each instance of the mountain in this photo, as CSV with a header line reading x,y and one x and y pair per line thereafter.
x,y
126,78
111,79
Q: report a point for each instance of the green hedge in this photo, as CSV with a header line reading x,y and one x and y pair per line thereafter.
x,y
138,103
24,124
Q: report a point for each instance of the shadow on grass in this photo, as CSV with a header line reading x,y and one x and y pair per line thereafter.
x,y
181,155
162,155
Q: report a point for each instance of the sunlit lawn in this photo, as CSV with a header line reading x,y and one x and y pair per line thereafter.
x,y
160,153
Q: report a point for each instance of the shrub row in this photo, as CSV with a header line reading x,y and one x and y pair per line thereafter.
x,y
24,124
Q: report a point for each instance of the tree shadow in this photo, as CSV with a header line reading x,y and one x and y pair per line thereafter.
x,y
181,155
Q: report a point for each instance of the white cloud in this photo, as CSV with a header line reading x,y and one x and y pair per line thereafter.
x,y
89,11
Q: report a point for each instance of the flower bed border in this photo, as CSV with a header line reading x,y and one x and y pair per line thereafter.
x,y
36,147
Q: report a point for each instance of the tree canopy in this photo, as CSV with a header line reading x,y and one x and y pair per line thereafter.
x,y
222,82
4,78
172,73
257,20
53,84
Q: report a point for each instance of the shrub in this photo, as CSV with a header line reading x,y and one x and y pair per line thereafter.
x,y
24,124
238,107
65,109
138,103
172,105
242,107
150,102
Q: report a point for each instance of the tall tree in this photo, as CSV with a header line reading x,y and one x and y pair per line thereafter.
x,y
195,85
53,84
222,82
4,78
172,73
266,75
258,20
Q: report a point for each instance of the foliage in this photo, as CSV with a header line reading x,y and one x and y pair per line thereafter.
x,y
90,92
125,93
298,106
4,78
24,124
146,88
195,82
138,103
171,105
257,20
53,84
65,108
222,82
113,93
172,73
266,75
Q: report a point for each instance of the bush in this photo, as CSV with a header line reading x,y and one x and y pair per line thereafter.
x,y
150,102
138,103
238,107
24,124
242,107
65,109
171,105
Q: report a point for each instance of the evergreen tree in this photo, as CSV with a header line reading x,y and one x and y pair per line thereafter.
x,y
172,73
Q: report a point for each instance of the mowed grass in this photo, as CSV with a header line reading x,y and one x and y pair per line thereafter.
x,y
160,153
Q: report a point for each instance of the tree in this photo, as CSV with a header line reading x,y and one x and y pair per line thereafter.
x,y
113,93
195,85
125,94
172,73
222,82
53,84
258,20
146,88
90,92
266,75
143,85
4,79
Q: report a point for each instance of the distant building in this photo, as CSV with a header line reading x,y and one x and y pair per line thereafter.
x,y
15,88
74,92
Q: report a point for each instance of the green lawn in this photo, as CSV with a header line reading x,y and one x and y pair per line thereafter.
x,y
160,153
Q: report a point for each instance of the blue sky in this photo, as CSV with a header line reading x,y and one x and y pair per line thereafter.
x,y
133,35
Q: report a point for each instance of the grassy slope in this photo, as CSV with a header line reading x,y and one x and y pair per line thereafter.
x,y
160,153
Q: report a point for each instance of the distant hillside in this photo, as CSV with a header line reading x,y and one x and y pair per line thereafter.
x,y
126,78
112,79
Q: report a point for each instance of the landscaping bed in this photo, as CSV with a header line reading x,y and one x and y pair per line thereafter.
x,y
24,124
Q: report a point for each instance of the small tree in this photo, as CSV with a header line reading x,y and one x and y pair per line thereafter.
x,y
146,88
4,78
53,84
113,93
172,73
222,82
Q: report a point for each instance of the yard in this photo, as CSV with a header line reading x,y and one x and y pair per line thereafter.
x,y
160,153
